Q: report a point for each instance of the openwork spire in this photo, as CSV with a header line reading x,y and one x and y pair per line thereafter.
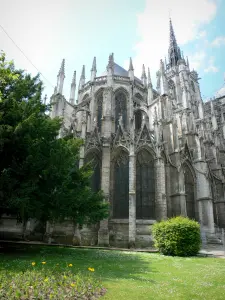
x,y
174,50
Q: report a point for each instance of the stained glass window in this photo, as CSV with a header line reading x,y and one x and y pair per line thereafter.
x,y
120,109
121,186
145,186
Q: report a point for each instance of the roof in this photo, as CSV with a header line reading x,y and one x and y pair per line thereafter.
x,y
119,71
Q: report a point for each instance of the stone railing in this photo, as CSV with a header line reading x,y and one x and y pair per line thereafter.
x,y
101,79
121,78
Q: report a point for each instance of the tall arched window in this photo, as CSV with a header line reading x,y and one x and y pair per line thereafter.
x,y
145,186
138,119
172,89
120,109
95,180
190,192
121,186
99,112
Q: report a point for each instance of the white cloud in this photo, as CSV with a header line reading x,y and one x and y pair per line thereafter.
x,y
153,28
196,60
211,66
220,40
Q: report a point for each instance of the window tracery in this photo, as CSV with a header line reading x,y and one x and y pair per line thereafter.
x,y
145,186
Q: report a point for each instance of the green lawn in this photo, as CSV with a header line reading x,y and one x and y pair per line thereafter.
x,y
129,275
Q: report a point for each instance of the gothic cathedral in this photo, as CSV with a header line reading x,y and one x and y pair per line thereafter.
x,y
156,153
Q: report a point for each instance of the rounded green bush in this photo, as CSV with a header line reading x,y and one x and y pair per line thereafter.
x,y
177,236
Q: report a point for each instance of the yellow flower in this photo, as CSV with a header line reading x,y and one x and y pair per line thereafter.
x,y
91,269
33,263
44,262
46,279
70,265
72,284
64,277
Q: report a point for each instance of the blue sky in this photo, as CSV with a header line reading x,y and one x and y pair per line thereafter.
x,y
48,31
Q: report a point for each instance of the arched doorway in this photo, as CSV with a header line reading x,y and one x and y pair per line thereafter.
x,y
145,185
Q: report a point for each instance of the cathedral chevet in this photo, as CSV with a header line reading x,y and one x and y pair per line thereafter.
x,y
155,152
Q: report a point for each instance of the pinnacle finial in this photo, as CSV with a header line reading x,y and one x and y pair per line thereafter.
x,y
187,62
111,60
83,72
131,68
149,78
74,78
94,65
143,72
62,68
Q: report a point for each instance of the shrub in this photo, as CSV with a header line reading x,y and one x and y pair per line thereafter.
x,y
177,236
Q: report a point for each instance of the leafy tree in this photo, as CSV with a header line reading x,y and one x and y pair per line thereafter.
x,y
38,174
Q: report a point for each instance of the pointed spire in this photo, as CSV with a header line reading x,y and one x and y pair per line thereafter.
x,y
61,77
131,68
149,78
111,62
94,65
150,89
143,76
83,72
82,78
187,62
73,89
174,50
93,70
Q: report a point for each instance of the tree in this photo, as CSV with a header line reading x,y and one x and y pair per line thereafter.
x,y
39,177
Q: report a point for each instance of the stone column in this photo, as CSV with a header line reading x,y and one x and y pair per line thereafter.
x,y
103,233
132,200
160,190
204,197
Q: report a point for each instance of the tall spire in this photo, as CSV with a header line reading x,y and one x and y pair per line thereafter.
x,y
149,79
174,50
94,65
82,78
61,77
143,76
73,89
131,68
150,89
93,70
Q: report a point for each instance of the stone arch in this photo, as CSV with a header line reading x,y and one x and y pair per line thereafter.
x,y
190,191
120,184
145,184
140,115
93,156
121,100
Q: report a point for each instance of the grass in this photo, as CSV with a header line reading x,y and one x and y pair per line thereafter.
x,y
129,275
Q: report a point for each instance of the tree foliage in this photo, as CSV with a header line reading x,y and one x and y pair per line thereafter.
x,y
39,177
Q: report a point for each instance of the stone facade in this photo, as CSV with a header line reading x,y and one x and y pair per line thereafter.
x,y
156,153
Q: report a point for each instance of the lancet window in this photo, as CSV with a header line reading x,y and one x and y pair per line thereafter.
x,y
145,186
120,109
121,186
